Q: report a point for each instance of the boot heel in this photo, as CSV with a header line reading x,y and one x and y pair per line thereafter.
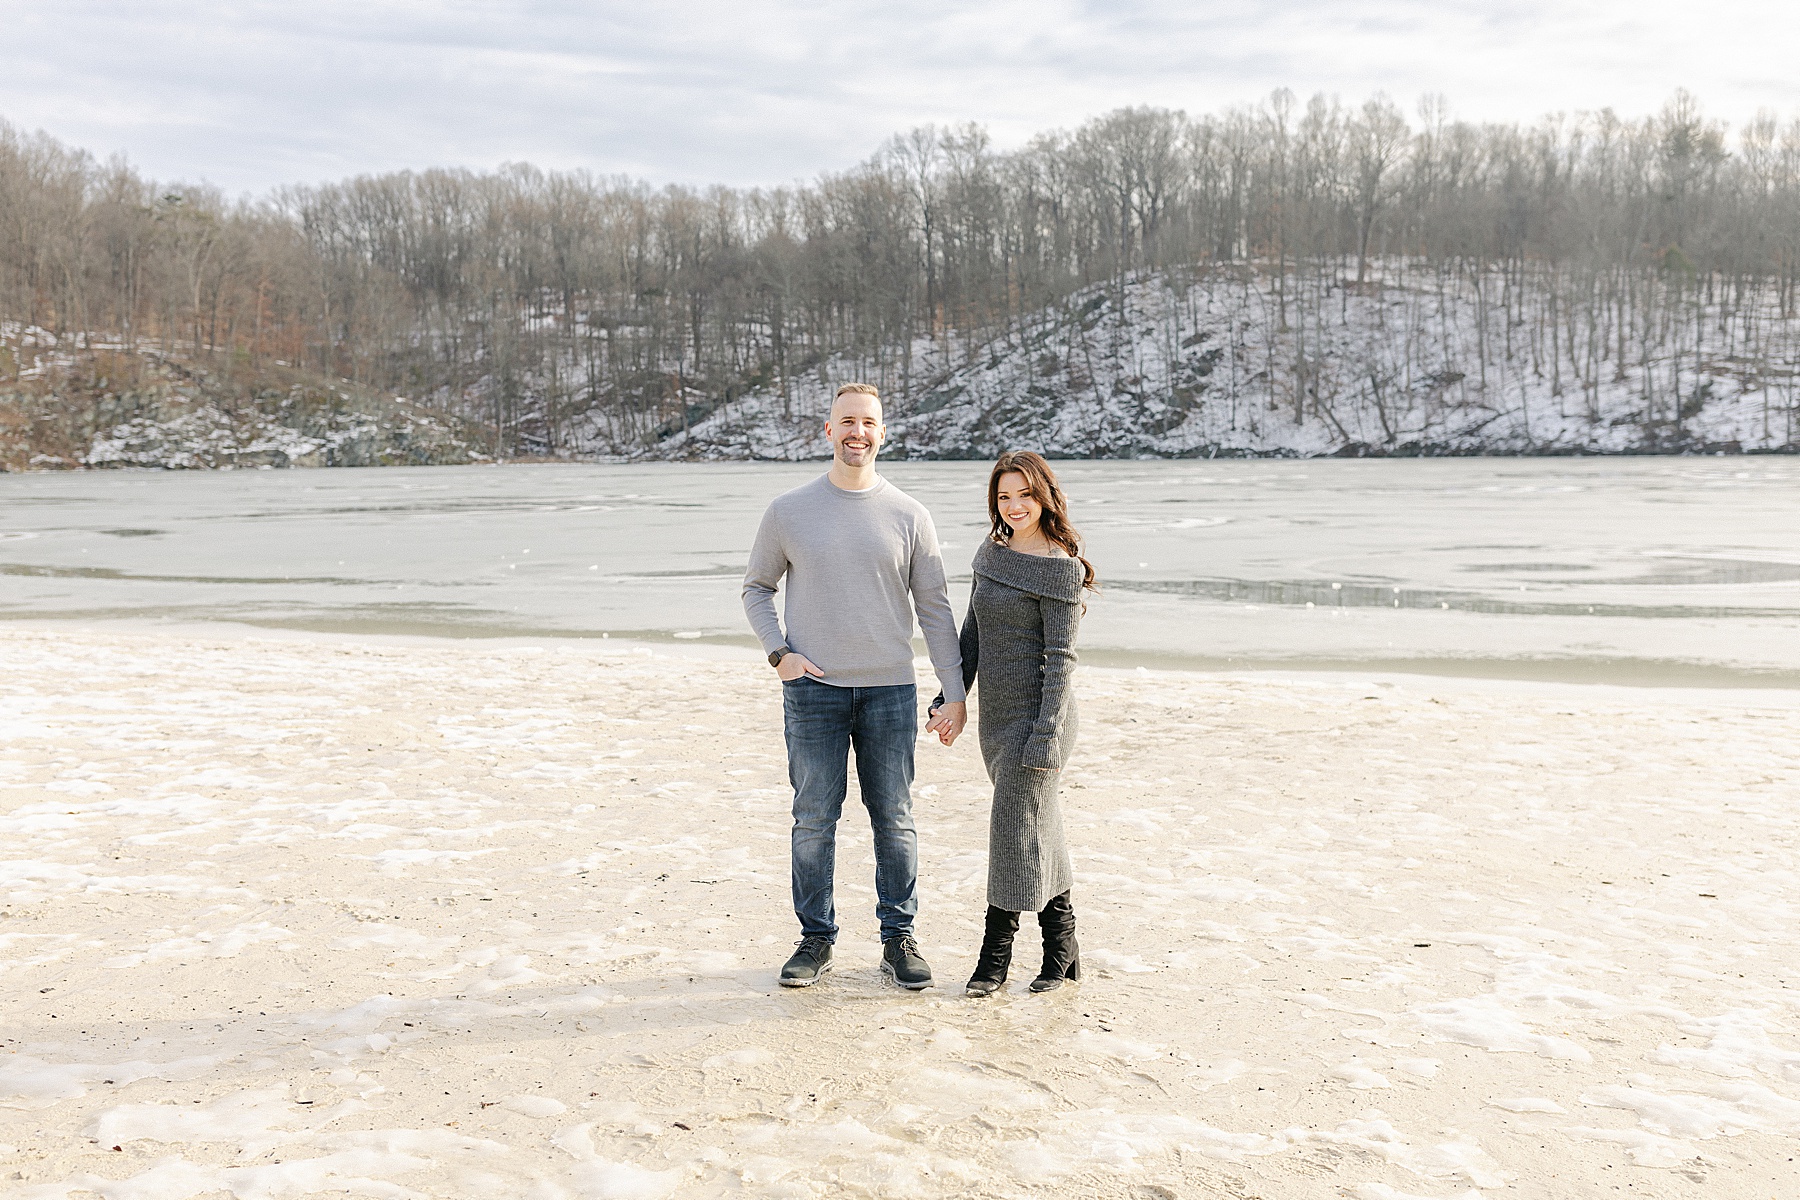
x,y
1062,956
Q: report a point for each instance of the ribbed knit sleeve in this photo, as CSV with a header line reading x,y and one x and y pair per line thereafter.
x,y
1061,619
970,642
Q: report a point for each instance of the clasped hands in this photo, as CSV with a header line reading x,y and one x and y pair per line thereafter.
x,y
946,720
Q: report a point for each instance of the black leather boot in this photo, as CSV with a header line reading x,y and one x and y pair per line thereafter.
x,y
996,952
1062,957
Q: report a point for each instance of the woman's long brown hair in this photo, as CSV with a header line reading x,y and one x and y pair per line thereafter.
x,y
1054,520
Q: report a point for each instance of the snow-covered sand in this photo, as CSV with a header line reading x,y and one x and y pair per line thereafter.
x,y
283,917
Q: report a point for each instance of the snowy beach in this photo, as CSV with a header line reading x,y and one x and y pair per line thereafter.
x,y
283,916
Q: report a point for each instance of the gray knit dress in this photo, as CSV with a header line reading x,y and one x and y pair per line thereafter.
x,y
1018,643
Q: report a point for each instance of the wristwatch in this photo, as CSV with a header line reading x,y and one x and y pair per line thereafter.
x,y
775,656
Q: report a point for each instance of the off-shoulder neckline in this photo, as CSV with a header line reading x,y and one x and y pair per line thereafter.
x,y
1060,552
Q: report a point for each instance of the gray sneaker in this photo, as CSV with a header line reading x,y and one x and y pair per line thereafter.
x,y
900,962
809,963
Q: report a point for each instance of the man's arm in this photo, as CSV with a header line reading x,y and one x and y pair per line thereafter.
x,y
937,620
947,721
768,563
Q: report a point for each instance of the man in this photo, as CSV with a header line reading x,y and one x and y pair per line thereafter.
x,y
853,548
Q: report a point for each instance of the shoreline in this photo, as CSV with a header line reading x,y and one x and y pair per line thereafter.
x,y
1352,452
1631,675
283,914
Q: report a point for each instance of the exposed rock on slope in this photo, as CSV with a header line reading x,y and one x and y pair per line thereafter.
x,y
84,407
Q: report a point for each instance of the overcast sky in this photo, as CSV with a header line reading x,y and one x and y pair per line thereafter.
x,y
251,94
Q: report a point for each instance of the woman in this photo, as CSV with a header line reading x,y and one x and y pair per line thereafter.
x,y
1018,642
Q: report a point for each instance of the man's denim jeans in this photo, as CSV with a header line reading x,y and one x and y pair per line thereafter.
x,y
823,724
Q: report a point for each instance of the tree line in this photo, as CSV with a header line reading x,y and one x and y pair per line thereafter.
x,y
561,310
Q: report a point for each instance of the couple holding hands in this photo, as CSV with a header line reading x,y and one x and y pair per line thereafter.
x,y
859,558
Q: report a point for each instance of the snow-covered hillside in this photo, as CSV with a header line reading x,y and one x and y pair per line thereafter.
x,y
1162,366
1230,361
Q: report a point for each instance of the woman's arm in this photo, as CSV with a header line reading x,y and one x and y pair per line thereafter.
x,y
970,640
1060,622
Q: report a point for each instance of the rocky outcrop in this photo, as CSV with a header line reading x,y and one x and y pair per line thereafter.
x,y
297,430
75,409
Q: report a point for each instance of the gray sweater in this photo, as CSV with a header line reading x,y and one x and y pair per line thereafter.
x,y
851,559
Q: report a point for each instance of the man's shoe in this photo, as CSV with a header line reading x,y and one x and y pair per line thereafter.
x,y
901,963
809,963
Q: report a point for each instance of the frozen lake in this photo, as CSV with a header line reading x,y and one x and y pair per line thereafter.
x,y
1624,570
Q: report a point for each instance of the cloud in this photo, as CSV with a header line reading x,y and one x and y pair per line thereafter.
x,y
253,94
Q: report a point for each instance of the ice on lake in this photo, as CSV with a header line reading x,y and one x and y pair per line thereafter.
x,y
1625,570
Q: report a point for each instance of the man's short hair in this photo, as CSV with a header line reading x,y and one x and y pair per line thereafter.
x,y
866,389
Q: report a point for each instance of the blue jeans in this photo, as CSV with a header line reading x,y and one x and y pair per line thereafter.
x,y
822,724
